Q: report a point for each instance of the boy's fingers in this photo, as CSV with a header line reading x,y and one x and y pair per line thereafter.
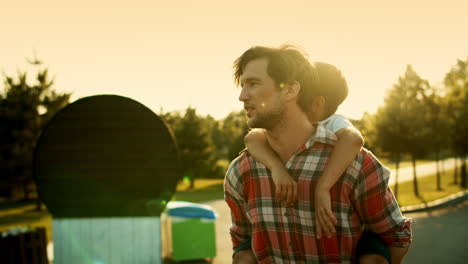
x,y
284,193
323,224
327,223
331,216
295,192
290,195
318,227
278,191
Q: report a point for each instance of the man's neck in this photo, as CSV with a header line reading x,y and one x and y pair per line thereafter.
x,y
289,135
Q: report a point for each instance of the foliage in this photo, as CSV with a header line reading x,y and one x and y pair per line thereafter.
x,y
207,145
456,82
24,110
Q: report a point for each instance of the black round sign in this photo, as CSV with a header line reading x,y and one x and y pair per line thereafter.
x,y
104,156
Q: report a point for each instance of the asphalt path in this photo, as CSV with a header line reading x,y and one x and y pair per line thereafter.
x,y
440,236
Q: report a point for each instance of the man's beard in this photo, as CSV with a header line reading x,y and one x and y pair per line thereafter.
x,y
267,120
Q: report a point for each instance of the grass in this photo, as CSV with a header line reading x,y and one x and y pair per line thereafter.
x,y
427,189
204,190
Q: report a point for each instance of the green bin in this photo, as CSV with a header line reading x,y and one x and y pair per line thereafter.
x,y
191,231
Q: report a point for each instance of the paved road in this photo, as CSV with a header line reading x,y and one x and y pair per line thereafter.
x,y
422,170
440,237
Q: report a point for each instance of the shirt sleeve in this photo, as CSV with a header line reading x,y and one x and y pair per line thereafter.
x,y
336,122
377,205
240,229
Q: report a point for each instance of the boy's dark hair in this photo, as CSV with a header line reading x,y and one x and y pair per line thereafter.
x,y
286,64
333,86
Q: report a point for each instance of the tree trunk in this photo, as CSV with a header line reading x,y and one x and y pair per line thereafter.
x,y
25,190
415,180
192,183
455,172
38,204
463,172
397,171
442,165
439,188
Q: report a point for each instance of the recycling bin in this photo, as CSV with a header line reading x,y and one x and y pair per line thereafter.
x,y
189,231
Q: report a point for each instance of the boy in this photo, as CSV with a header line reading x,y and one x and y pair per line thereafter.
x,y
333,91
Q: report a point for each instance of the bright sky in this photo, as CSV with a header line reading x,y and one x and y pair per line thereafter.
x,y
173,54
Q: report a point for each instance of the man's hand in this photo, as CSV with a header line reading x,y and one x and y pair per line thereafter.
x,y
244,257
326,221
286,187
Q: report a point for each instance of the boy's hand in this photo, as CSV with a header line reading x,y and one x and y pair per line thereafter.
x,y
286,187
326,221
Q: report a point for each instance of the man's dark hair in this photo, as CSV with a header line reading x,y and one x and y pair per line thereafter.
x,y
332,86
286,64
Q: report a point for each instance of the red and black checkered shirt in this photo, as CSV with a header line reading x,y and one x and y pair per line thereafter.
x,y
280,234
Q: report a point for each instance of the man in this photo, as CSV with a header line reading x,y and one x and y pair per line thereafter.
x,y
277,88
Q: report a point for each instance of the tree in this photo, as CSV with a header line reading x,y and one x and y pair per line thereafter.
x,y
400,124
24,110
234,128
195,147
417,133
390,124
456,82
438,124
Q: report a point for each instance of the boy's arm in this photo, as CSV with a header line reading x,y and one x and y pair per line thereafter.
x,y
347,147
257,145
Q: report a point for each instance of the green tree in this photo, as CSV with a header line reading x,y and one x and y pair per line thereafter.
x,y
195,147
456,82
390,125
416,130
234,128
401,126
435,116
24,110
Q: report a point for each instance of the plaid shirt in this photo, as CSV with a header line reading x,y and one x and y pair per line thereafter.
x,y
282,234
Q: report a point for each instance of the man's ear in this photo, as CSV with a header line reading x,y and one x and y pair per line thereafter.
x,y
291,90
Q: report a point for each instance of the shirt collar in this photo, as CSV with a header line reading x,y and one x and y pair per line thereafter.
x,y
321,135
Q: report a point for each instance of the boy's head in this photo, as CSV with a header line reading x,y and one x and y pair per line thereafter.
x,y
332,87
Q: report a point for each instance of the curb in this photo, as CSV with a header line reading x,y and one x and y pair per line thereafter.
x,y
437,204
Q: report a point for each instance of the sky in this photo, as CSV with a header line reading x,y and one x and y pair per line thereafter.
x,y
170,55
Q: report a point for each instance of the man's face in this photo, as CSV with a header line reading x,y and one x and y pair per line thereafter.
x,y
262,100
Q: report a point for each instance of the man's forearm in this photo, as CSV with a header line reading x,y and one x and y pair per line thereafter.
x,y
397,254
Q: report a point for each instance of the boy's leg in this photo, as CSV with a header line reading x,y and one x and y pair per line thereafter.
x,y
372,250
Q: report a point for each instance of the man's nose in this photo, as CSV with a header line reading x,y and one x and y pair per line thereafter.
x,y
243,95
